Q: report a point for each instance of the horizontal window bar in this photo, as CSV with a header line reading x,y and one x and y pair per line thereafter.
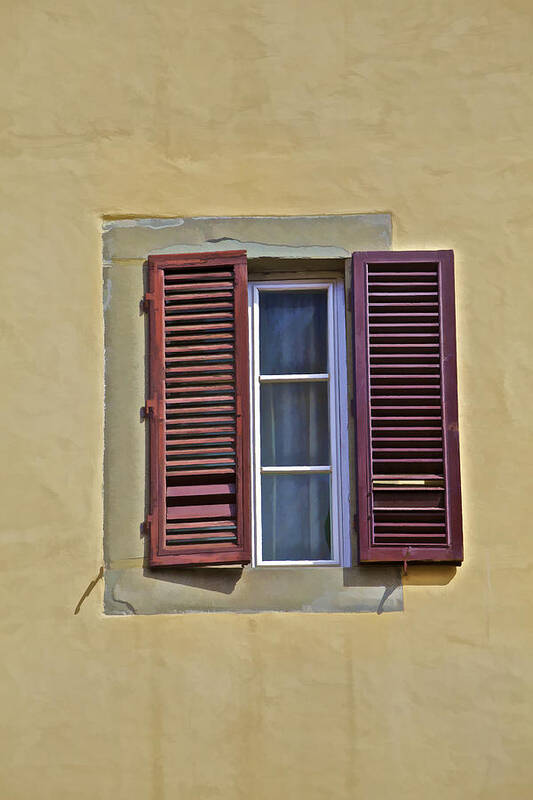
x,y
294,470
318,376
298,563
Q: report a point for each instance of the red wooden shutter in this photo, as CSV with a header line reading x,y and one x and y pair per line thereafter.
x,y
409,494
199,409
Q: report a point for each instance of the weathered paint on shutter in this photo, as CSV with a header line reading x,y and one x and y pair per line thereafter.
x,y
199,409
409,494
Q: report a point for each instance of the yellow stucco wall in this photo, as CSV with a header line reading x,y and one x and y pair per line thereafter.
x,y
422,109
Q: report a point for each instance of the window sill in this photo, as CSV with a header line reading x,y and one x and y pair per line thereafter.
x,y
317,589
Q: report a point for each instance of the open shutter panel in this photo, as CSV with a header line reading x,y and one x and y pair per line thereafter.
x,y
409,496
199,409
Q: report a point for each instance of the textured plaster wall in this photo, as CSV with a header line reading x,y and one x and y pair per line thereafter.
x,y
421,109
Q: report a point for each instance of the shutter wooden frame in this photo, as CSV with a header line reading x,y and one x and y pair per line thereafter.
x,y
192,551
372,547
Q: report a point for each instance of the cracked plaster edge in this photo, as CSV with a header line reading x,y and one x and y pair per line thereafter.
x,y
378,219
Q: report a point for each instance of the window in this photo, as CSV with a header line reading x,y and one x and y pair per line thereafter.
x,y
300,492
406,419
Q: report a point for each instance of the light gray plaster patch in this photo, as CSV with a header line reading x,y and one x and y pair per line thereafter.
x,y
130,239
145,222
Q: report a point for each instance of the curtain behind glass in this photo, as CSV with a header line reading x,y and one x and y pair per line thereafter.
x,y
293,332
294,426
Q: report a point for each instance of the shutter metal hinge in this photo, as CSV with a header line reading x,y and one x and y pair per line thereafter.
x,y
147,299
146,525
148,410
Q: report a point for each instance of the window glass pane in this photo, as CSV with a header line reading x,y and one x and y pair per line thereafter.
x,y
296,517
293,332
294,424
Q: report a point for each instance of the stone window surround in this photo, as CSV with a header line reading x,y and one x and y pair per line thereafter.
x,y
277,248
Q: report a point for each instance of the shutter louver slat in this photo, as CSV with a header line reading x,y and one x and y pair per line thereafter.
x,y
406,401
200,434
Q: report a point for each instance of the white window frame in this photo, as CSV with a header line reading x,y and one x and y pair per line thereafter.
x,y
338,420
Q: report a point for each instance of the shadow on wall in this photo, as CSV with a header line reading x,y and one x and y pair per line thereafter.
x,y
320,589
225,579
211,579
